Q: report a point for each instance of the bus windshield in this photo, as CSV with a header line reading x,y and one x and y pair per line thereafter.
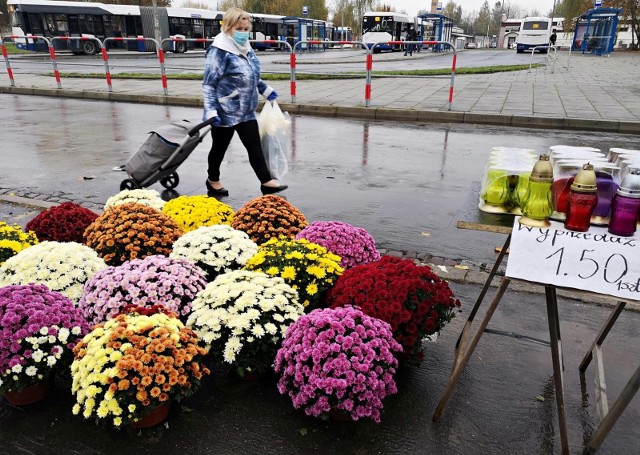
x,y
377,24
536,25
13,16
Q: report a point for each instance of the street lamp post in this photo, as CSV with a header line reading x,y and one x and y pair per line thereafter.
x,y
553,11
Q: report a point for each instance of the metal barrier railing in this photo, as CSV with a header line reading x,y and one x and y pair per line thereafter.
x,y
175,40
292,63
367,90
140,39
369,49
429,43
52,55
533,51
5,56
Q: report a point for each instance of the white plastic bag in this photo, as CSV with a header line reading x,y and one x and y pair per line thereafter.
x,y
275,130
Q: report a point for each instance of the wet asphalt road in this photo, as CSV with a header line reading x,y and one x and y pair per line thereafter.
x,y
504,403
405,183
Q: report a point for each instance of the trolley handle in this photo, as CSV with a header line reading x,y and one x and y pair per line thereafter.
x,y
193,131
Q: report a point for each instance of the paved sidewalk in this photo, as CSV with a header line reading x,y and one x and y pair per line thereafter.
x,y
595,93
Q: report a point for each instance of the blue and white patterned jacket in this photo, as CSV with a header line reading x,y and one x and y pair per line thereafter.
x,y
231,82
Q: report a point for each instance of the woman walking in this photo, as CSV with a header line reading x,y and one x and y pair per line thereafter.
x,y
230,90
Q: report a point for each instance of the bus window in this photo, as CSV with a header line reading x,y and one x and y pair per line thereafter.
x,y
98,26
50,23
131,26
61,22
74,25
36,26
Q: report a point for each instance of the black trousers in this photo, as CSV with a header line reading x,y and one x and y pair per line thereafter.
x,y
250,137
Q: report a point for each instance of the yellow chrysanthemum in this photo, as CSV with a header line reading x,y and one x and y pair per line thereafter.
x,y
289,273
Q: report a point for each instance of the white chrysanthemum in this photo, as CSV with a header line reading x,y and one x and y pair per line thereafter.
x,y
145,197
216,249
237,309
31,371
66,266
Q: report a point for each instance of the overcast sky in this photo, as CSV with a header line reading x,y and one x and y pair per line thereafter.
x,y
413,6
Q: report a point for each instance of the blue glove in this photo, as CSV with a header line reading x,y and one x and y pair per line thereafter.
x,y
273,96
217,121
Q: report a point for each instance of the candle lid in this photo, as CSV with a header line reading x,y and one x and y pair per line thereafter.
x,y
585,180
630,186
542,170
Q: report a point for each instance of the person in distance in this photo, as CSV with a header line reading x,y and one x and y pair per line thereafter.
x,y
230,90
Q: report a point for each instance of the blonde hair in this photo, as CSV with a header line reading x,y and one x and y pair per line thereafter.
x,y
232,17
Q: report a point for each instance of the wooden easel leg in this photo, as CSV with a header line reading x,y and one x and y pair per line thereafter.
x,y
556,355
604,331
468,351
464,335
614,413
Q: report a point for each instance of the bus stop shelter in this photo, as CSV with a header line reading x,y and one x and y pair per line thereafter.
x,y
441,29
595,31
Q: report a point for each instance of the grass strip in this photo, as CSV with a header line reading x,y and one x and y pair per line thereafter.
x,y
12,49
306,76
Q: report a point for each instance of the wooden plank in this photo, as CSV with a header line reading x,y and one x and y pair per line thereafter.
x,y
483,227
602,406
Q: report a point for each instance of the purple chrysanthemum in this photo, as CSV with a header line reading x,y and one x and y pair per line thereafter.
x,y
173,283
353,244
338,359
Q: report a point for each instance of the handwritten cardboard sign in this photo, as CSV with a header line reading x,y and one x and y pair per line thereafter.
x,y
593,261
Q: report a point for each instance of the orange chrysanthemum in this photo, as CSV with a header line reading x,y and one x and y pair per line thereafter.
x,y
121,233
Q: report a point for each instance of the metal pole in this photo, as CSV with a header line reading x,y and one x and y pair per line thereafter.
x,y
156,23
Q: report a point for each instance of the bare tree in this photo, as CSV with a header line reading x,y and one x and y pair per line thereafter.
x,y
630,13
194,4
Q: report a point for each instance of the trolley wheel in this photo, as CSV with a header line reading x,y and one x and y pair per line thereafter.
x,y
129,184
170,181
180,48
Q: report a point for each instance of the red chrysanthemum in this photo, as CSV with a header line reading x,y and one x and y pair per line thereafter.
x,y
411,298
63,223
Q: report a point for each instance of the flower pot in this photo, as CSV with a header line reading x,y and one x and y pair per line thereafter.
x,y
156,416
251,376
340,415
30,394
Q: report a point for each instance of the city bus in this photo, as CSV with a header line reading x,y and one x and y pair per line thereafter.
x,y
343,34
91,19
266,27
381,27
534,31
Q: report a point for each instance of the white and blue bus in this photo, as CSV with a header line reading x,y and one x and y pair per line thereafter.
x,y
381,27
51,18
534,31
100,20
266,27
343,34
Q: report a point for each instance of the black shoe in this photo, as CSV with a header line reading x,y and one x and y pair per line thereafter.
x,y
272,189
211,191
